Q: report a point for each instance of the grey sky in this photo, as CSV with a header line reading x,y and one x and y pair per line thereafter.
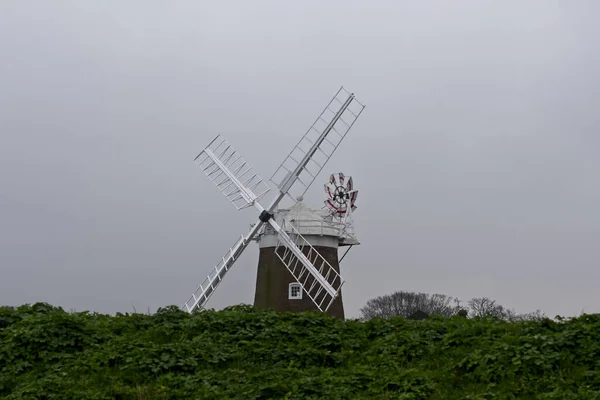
x,y
476,157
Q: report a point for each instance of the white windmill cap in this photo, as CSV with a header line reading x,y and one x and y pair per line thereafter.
x,y
307,221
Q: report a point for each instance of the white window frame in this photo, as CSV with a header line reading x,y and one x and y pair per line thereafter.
x,y
293,285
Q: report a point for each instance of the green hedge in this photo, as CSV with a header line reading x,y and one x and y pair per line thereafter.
x,y
245,353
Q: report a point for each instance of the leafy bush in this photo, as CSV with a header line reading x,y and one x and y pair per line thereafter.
x,y
246,353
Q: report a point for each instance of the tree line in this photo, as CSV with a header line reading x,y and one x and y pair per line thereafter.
x,y
406,304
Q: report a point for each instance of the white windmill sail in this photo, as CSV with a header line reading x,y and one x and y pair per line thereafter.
x,y
302,165
321,291
231,173
238,181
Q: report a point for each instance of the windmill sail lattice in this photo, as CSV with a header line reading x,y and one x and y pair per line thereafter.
x,y
239,183
318,144
215,277
231,173
322,295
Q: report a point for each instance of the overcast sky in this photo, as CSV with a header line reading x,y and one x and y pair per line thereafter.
x,y
476,157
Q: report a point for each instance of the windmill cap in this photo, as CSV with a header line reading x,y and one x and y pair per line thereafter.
x,y
307,221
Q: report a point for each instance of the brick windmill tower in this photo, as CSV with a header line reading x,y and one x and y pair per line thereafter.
x,y
297,259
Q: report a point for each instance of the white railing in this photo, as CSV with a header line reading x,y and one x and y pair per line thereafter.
x,y
315,226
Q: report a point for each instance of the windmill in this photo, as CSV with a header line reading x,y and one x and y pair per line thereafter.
x,y
326,231
313,273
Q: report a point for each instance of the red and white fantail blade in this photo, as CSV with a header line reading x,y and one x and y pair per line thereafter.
x,y
332,180
353,197
331,206
328,191
349,185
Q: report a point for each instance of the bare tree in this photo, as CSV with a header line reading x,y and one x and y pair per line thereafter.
x,y
536,315
405,304
486,307
441,304
512,316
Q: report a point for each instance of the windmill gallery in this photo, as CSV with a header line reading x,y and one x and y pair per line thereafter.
x,y
298,267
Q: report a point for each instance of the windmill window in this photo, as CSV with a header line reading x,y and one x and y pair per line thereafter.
x,y
295,291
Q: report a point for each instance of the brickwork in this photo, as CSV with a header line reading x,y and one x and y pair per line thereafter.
x,y
273,279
